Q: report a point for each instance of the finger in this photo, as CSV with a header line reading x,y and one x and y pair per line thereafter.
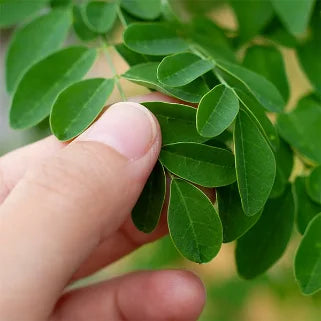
x,y
14,164
59,212
142,296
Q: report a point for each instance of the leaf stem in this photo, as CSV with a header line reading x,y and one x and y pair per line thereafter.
x,y
121,17
114,71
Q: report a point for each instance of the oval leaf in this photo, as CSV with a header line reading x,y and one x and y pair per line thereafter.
x,y
146,75
100,16
216,111
267,240
193,223
42,83
147,10
154,39
177,122
307,265
235,222
148,208
306,209
255,164
313,185
201,164
182,68
78,106
45,33
262,89
80,27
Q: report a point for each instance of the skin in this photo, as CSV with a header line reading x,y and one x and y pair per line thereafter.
x,y
65,213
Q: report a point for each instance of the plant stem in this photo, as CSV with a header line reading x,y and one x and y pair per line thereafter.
x,y
114,71
121,17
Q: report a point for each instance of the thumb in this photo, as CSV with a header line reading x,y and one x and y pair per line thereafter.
x,y
60,211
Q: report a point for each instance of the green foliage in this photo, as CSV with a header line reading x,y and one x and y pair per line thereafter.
x,y
78,105
193,223
241,139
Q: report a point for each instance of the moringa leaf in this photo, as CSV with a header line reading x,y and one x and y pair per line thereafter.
x,y
100,16
148,208
42,83
235,222
177,122
147,10
200,164
307,265
216,111
248,81
268,62
294,15
13,12
181,69
154,39
80,27
193,223
146,75
78,106
33,42
255,164
301,128
60,3
313,185
306,209
267,240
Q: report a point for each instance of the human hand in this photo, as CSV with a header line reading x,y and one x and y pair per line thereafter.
x,y
65,213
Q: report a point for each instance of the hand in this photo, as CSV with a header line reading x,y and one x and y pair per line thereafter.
x,y
65,213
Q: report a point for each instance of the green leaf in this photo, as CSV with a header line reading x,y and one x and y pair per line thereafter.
x,y
235,222
42,83
294,15
133,58
146,75
248,81
78,106
12,12
177,122
80,27
313,184
306,209
148,208
154,39
193,223
60,3
307,265
255,164
200,164
267,240
216,111
100,16
147,10
252,16
301,128
33,42
256,112
182,68
268,62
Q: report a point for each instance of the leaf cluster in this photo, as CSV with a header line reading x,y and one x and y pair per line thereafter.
x,y
241,142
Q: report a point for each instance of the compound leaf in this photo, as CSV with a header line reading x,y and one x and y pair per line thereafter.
x,y
78,106
200,164
307,265
33,42
255,164
42,83
148,208
267,240
193,223
182,68
177,122
216,111
147,10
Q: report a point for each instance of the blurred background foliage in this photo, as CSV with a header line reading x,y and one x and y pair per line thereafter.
x,y
272,297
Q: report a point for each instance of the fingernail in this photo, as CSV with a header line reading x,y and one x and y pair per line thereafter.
x,y
127,127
